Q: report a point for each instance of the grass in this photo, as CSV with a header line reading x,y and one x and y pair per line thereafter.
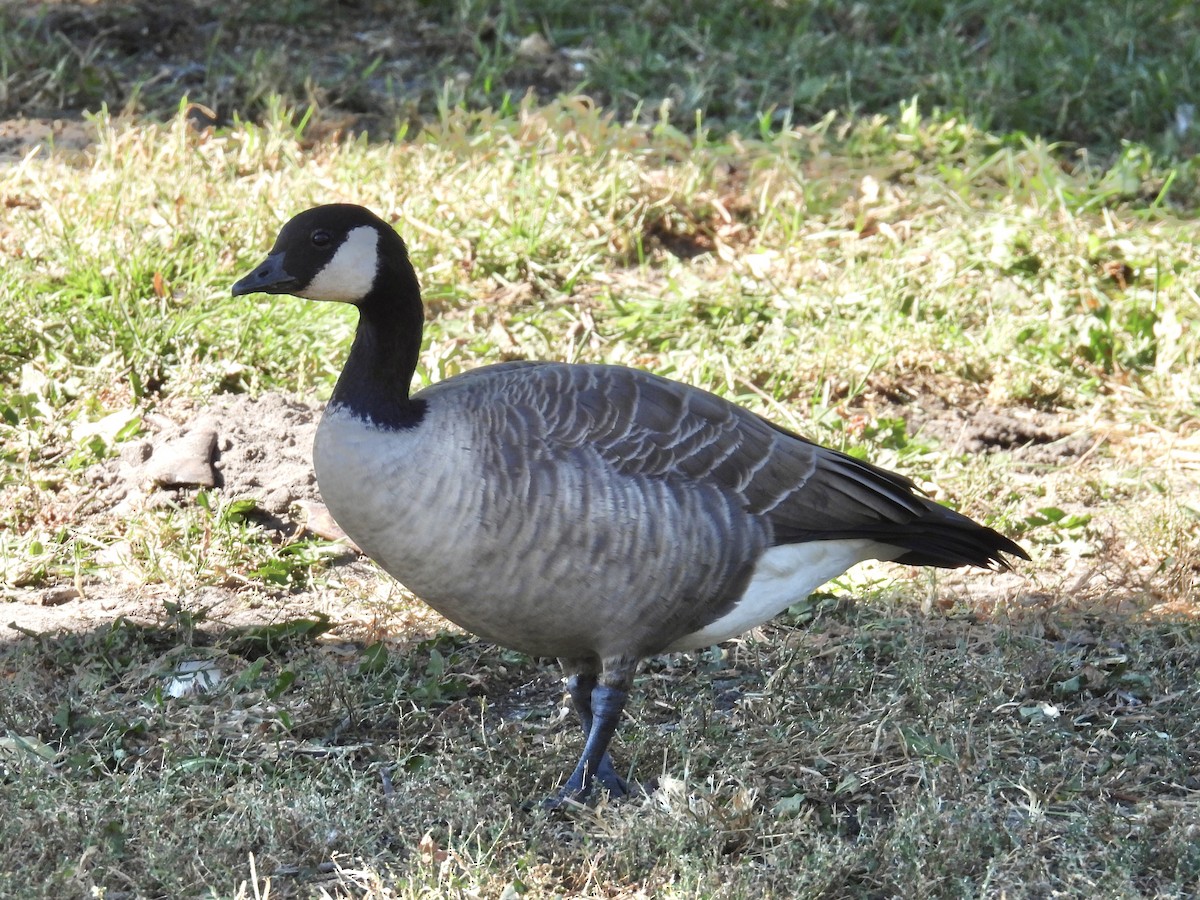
x,y
1009,322
1111,73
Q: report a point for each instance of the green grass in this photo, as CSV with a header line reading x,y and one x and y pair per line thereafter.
x,y
1113,71
885,278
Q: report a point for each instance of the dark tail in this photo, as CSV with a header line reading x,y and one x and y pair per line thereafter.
x,y
860,500
948,540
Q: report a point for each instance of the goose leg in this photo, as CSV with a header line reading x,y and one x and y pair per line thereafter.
x,y
586,691
599,704
607,703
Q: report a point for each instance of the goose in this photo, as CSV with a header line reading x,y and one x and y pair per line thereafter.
x,y
594,513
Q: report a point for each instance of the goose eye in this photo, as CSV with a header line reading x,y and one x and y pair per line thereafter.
x,y
321,238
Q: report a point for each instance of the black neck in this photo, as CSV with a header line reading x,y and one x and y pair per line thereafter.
x,y
374,384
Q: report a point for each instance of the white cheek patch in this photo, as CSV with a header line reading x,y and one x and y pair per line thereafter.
x,y
350,275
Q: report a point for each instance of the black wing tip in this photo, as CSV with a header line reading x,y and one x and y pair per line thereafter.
x,y
1009,547
952,548
1012,548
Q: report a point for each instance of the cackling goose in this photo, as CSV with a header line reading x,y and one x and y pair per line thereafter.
x,y
594,513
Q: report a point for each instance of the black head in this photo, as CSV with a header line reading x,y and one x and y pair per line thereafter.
x,y
334,252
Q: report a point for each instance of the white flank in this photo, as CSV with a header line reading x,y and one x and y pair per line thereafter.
x,y
350,275
785,575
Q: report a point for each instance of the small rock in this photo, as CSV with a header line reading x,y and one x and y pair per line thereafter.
x,y
319,522
185,461
59,595
135,453
534,47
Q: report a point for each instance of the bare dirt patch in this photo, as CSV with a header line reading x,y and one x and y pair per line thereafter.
x,y
19,136
1030,435
260,450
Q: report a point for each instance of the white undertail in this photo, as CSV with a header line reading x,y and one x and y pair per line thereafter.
x,y
783,576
